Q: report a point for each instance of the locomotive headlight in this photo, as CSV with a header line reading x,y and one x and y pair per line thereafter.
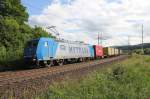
x,y
34,58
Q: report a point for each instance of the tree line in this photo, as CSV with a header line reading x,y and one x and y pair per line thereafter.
x,y
14,30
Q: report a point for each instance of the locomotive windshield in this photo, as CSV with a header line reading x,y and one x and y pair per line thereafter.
x,y
32,43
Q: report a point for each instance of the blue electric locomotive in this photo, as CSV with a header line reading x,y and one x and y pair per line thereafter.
x,y
47,51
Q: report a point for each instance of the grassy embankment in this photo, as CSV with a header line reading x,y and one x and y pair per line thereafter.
x,y
129,79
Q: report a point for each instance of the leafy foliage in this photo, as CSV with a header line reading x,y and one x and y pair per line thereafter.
x,y
126,80
9,32
39,32
139,51
13,9
147,51
14,32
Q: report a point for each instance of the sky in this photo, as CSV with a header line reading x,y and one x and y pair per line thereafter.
x,y
83,20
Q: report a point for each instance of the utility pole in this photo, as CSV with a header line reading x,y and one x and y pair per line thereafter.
x,y
142,41
101,39
98,38
142,48
128,44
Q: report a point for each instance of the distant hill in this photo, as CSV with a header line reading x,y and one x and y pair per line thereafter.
x,y
132,47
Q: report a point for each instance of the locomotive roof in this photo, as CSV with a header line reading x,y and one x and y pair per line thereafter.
x,y
72,42
62,40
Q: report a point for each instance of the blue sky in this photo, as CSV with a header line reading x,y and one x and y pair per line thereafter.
x,y
36,6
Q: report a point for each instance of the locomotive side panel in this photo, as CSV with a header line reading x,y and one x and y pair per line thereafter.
x,y
72,50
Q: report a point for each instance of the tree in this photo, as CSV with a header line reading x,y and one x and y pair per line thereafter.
x,y
39,32
9,32
147,51
14,30
13,9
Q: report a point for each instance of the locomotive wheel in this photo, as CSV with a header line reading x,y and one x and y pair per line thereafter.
x,y
65,62
39,64
60,62
49,63
43,63
80,60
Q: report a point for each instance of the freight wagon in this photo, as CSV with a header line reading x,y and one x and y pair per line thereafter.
x,y
116,51
98,51
108,51
120,52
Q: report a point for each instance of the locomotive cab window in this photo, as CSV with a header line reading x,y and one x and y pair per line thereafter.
x,y
33,43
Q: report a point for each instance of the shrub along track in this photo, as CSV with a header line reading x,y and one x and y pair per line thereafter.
x,y
29,82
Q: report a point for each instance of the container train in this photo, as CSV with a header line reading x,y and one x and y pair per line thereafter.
x,y
48,52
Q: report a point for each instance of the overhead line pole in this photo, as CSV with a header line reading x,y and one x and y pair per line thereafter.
x,y
98,38
142,47
101,39
128,44
142,41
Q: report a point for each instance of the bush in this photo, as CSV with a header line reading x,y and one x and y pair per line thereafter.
x,y
14,32
139,51
147,51
9,58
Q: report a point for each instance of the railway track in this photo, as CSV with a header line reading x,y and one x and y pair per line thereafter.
x,y
18,76
11,78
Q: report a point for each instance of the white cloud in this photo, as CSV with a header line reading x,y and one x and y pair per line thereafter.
x,y
83,19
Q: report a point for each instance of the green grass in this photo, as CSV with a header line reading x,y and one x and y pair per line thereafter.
x,y
129,79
